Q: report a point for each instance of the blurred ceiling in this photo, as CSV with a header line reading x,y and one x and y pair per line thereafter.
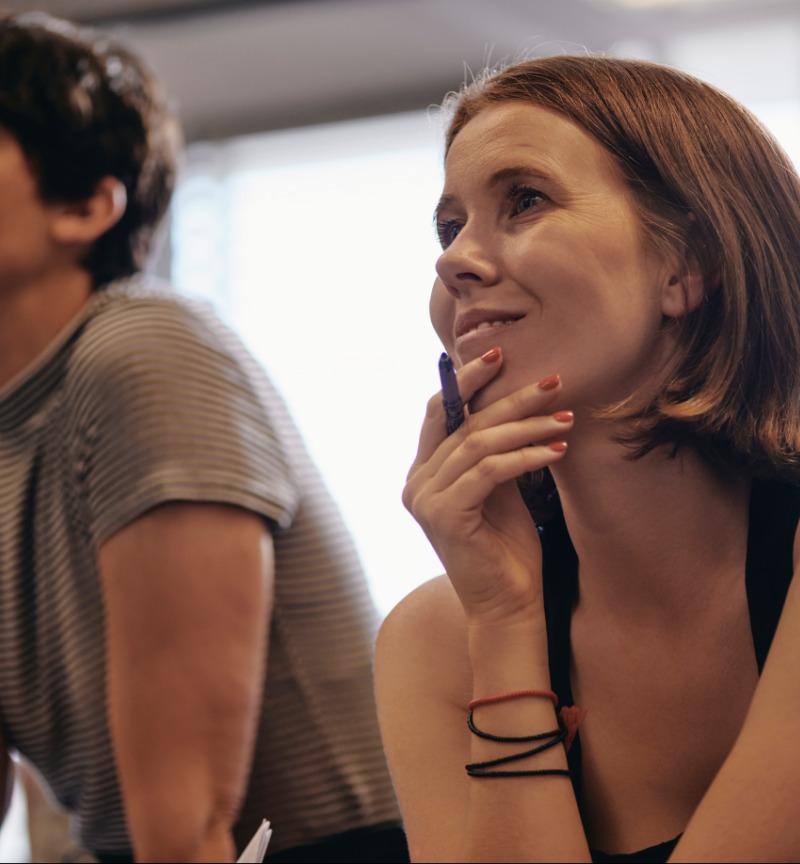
x,y
249,65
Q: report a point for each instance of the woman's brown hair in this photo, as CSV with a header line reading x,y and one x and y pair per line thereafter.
x,y
713,186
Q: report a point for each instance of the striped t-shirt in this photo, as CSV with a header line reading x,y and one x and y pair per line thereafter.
x,y
146,398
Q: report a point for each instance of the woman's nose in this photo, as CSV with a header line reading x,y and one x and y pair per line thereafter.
x,y
467,263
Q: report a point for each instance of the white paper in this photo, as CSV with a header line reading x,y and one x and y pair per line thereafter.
x,y
256,849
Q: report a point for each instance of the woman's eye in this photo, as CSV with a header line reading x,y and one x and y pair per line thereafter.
x,y
524,198
447,232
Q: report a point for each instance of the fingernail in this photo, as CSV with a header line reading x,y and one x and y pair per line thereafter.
x,y
491,355
558,446
549,383
564,416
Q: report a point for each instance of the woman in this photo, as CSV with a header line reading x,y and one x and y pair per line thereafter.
x,y
619,287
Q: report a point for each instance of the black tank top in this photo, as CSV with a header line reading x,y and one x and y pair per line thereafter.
x,y
774,514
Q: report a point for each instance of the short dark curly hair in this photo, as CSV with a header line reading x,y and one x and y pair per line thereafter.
x,y
84,107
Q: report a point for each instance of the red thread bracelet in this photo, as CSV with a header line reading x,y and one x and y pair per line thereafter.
x,y
514,694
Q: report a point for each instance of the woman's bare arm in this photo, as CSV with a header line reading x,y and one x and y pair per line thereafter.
x,y
750,812
422,685
424,674
479,634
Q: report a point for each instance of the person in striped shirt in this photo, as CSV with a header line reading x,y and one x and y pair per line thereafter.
x,y
185,628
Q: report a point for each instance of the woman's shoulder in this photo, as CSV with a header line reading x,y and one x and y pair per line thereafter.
x,y
433,607
425,637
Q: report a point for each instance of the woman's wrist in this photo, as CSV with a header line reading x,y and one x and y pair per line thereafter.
x,y
508,657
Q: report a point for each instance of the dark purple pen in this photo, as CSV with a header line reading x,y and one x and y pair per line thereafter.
x,y
451,398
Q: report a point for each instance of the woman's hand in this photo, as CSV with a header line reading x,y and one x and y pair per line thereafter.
x,y
462,491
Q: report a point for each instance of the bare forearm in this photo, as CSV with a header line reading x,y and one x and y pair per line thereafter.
x,y
184,838
186,661
519,818
184,792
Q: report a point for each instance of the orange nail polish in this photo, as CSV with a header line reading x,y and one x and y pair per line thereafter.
x,y
558,446
549,383
491,355
564,416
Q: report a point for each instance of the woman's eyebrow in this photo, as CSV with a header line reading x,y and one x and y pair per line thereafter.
x,y
502,175
497,178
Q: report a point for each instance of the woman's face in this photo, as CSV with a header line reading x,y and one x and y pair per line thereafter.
x,y
543,255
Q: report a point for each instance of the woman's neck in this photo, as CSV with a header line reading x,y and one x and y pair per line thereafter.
x,y
658,537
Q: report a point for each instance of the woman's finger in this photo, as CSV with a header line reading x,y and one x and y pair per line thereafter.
x,y
480,445
471,378
522,404
449,509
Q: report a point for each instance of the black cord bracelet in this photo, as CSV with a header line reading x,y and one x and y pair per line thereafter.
x,y
537,772
479,769
510,739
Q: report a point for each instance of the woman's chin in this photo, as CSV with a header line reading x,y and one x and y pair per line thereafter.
x,y
495,390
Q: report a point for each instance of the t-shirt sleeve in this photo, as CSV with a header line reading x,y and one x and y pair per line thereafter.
x,y
169,407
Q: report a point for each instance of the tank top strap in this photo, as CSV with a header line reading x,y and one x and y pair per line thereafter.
x,y
774,514
560,593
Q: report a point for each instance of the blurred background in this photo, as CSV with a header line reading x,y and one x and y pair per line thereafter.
x,y
313,163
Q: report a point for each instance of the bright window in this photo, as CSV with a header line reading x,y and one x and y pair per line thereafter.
x,y
317,246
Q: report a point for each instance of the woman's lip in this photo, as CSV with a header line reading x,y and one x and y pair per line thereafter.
x,y
483,335
471,319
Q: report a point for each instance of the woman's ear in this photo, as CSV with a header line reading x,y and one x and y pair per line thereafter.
x,y
81,223
683,291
